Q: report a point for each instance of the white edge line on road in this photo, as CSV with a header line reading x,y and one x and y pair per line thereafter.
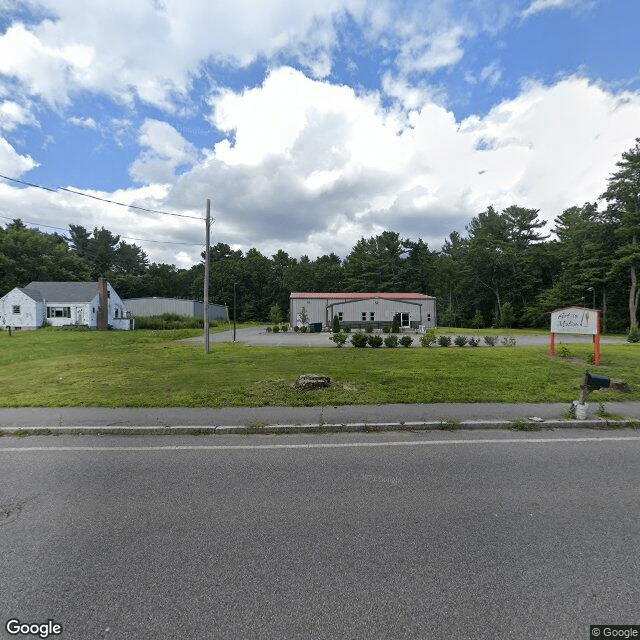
x,y
320,445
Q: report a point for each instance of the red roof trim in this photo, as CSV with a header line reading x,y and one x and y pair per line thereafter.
x,y
361,296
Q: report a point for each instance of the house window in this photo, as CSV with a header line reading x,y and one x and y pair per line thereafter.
x,y
340,316
364,316
117,312
16,308
372,316
428,317
58,312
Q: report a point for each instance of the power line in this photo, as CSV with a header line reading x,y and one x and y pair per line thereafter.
x,y
48,226
88,195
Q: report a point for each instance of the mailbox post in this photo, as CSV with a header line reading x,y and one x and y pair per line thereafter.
x,y
593,382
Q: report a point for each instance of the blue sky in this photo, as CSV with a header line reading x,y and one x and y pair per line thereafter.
x,y
310,126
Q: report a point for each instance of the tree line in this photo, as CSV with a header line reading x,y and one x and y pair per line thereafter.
x,y
504,271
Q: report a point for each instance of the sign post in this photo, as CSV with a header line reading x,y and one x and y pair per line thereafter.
x,y
579,321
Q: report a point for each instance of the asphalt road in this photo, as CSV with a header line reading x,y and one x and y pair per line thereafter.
x,y
381,536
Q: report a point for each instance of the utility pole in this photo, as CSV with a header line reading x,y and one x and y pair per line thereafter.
x,y
206,280
234,311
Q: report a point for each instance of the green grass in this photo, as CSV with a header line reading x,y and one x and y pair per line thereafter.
x,y
154,369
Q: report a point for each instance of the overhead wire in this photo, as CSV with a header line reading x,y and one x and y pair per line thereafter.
x,y
88,195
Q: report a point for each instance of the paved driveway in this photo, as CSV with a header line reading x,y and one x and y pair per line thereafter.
x,y
260,336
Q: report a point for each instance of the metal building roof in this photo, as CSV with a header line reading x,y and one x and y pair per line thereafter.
x,y
362,296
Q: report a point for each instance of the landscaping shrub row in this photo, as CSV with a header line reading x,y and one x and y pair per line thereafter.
x,y
362,340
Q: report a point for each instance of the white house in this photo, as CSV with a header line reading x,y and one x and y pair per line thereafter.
x,y
362,309
91,304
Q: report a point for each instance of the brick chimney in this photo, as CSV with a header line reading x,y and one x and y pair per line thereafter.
x,y
103,305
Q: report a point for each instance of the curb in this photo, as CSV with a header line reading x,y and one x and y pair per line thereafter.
x,y
283,429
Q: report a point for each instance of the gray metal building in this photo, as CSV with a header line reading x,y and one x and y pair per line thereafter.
x,y
158,306
362,309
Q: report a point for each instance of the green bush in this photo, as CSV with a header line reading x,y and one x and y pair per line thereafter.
x,y
359,340
171,321
276,328
296,328
474,342
335,326
490,340
369,328
284,327
269,329
428,338
347,329
391,342
406,341
395,327
339,338
634,334
374,341
303,329
478,320
444,341
460,341
386,329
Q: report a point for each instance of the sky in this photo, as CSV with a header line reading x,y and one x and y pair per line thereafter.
x,y
308,125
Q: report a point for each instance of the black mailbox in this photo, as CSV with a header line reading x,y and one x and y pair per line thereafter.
x,y
593,381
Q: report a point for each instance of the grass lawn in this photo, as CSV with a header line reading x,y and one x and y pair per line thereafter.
x,y
51,367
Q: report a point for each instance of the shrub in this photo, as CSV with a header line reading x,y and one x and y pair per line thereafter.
x,y
509,342
374,341
276,328
359,340
339,338
269,329
428,338
490,340
303,329
406,341
172,321
634,334
395,327
347,329
369,328
275,314
478,320
391,341
474,342
460,341
335,325
444,341
296,328
284,327
386,329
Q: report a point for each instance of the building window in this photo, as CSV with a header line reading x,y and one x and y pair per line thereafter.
x,y
16,308
428,317
339,316
117,312
364,316
372,316
58,312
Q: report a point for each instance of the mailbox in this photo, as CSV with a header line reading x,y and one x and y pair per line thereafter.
x,y
593,381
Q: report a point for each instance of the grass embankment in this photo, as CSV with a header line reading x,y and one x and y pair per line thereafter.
x,y
153,369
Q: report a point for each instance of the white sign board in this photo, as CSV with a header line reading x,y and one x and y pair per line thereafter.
x,y
575,320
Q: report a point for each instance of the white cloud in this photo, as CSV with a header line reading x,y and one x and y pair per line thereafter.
x,y
537,6
87,123
165,151
12,114
12,163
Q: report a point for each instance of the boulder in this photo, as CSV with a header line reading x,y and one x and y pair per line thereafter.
x,y
313,381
